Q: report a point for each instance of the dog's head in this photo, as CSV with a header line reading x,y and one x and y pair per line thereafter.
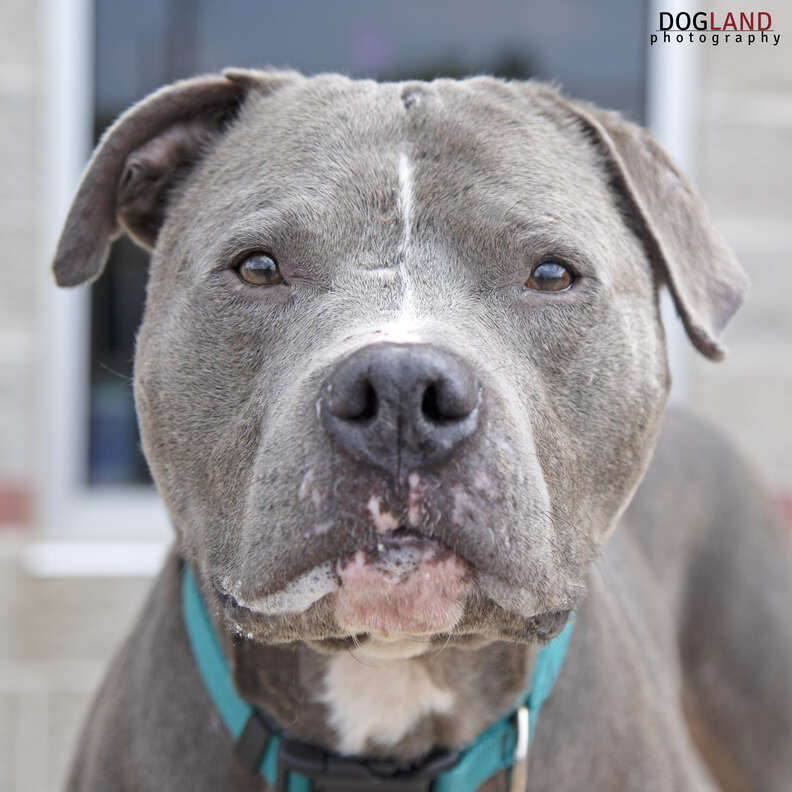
x,y
401,366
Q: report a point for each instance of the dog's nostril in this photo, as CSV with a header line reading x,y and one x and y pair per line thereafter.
x,y
358,402
430,407
440,405
370,402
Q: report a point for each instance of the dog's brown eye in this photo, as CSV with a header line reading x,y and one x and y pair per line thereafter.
x,y
549,276
260,269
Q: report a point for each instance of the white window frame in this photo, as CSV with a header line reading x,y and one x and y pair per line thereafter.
x,y
80,530
672,90
85,530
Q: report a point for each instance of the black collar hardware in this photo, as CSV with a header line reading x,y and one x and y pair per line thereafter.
x,y
332,772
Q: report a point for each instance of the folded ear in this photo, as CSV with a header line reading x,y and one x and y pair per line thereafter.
x,y
706,280
138,161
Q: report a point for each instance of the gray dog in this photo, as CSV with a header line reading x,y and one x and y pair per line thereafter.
x,y
400,375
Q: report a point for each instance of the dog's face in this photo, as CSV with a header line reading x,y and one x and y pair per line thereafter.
x,y
401,365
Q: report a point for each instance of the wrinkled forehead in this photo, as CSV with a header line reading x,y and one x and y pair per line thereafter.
x,y
476,157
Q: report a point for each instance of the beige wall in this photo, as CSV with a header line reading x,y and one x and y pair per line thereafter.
x,y
19,231
744,170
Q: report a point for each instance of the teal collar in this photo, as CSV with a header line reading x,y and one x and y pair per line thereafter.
x,y
290,766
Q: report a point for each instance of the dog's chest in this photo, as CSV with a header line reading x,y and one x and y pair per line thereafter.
x,y
378,700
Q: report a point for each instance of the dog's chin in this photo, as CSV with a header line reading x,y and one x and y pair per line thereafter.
x,y
400,598
480,625
371,646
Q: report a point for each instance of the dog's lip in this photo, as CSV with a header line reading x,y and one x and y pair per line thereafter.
x,y
270,620
314,589
549,624
398,551
399,544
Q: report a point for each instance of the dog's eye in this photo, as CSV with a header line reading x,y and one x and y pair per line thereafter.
x,y
549,276
260,269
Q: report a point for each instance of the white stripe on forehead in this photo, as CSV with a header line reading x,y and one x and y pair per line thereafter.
x,y
404,326
405,199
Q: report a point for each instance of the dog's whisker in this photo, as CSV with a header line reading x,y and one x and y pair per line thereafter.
x,y
360,660
444,645
125,377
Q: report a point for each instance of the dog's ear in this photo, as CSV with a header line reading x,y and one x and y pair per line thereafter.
x,y
704,277
138,161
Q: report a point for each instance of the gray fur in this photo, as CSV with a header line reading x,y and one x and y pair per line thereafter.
x,y
227,378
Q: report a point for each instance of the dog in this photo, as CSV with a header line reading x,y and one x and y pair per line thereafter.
x,y
401,382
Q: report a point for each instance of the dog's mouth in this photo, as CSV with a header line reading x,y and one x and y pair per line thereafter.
x,y
396,597
403,584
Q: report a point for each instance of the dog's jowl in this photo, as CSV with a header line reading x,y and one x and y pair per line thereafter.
x,y
401,383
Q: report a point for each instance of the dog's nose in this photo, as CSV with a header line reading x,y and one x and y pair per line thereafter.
x,y
401,406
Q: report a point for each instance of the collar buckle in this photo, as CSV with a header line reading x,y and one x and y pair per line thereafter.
x,y
330,772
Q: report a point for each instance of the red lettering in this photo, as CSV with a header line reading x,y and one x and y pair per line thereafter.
x,y
746,21
713,26
765,15
729,22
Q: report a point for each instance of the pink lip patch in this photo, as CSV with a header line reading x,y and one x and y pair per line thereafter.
x,y
411,588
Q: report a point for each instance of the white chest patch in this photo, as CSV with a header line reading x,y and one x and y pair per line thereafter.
x,y
379,702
